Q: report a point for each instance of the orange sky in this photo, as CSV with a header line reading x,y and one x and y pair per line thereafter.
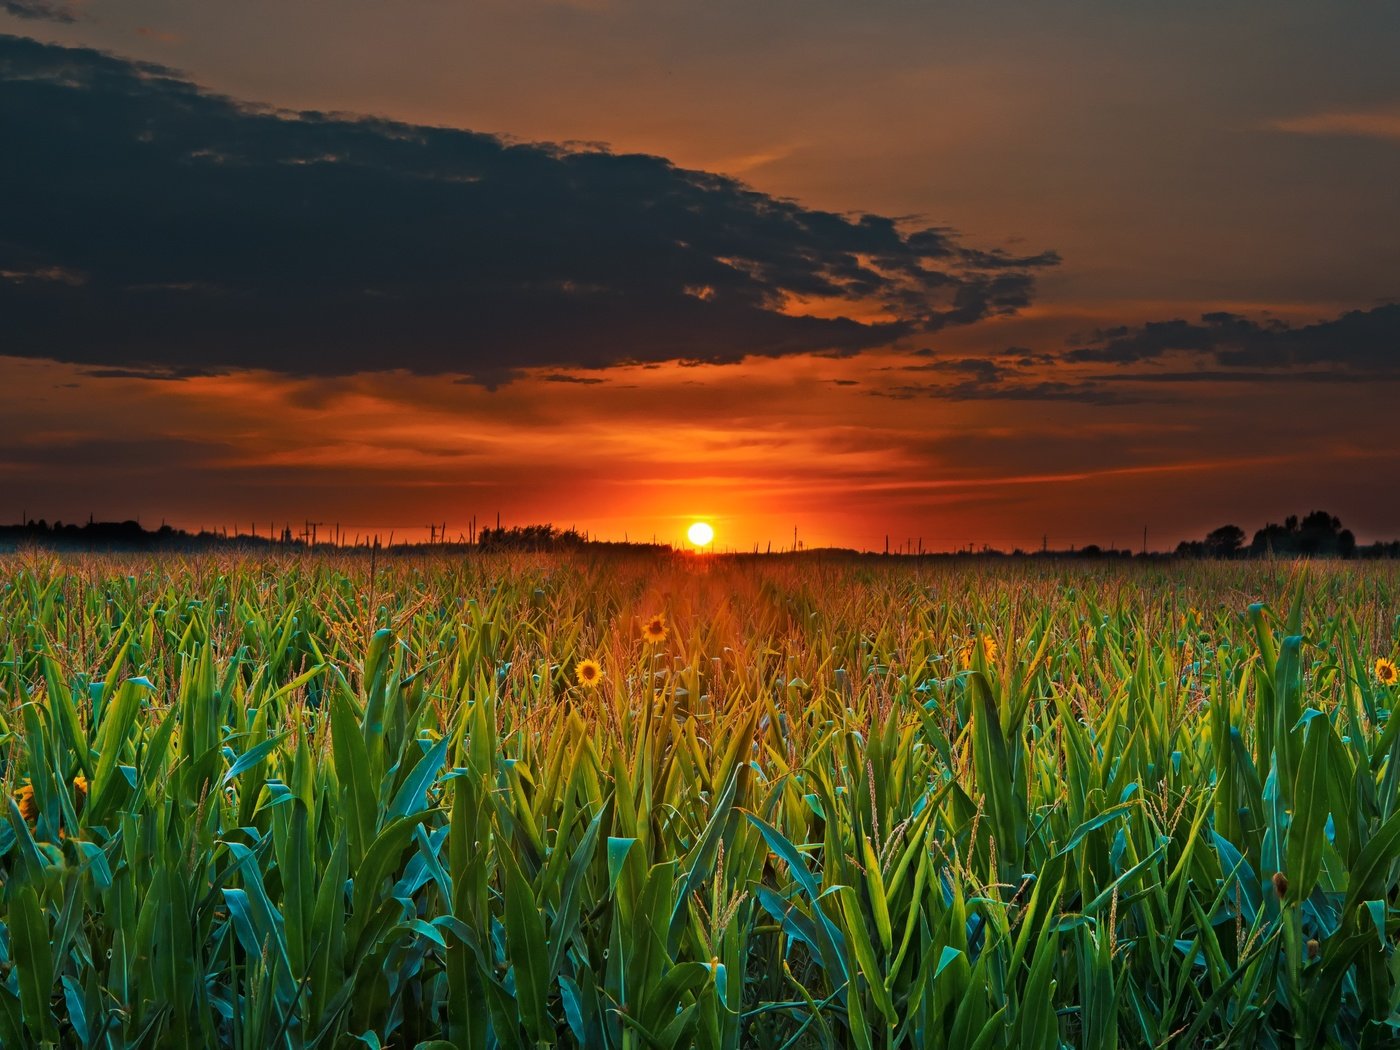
x,y
1181,163
754,448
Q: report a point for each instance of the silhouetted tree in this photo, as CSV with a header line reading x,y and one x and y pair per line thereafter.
x,y
1225,541
1318,533
529,538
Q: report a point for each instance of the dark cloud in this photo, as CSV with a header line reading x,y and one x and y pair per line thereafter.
x,y
1001,379
40,10
998,259
196,232
564,377
145,373
1365,341
979,368
1024,357
1220,375
1087,392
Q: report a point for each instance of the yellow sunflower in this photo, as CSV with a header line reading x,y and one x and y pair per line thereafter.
x,y
28,808
1386,673
654,630
988,645
589,673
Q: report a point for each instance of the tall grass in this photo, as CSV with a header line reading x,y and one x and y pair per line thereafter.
x,y
261,803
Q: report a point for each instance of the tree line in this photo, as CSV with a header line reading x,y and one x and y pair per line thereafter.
x,y
1318,534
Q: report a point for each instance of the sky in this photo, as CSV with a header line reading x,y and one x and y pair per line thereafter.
x,y
951,274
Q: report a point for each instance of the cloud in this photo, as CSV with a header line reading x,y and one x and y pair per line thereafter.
x,y
1007,378
564,377
212,234
40,10
1373,124
980,368
1088,392
1359,340
1216,375
150,374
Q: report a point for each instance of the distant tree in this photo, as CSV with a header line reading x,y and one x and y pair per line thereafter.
x,y
529,538
1317,533
1272,537
1224,542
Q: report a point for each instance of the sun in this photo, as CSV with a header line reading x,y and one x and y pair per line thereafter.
x,y
700,534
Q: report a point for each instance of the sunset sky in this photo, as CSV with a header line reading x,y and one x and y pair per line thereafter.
x,y
965,273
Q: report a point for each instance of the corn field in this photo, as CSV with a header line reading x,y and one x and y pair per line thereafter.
x,y
317,802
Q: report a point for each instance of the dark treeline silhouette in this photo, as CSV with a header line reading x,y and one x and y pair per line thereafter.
x,y
1318,534
529,538
548,538
131,536
120,535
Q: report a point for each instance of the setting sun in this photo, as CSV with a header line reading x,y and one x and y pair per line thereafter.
x,y
701,534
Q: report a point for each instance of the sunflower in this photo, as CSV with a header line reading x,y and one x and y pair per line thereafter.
x,y
986,642
28,808
1386,673
589,673
654,630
